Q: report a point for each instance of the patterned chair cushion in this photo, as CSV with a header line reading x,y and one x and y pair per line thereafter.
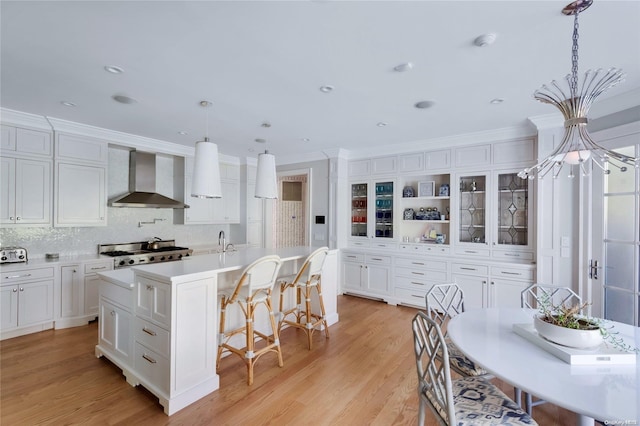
x,y
461,363
479,402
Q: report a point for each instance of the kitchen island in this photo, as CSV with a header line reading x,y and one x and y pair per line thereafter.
x,y
159,323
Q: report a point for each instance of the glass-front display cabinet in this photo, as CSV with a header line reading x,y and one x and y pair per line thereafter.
x,y
472,209
359,199
372,205
513,210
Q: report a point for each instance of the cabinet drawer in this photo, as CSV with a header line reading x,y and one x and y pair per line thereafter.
x,y
516,255
463,268
422,274
92,268
421,263
473,252
512,273
152,336
437,249
353,257
383,246
375,259
152,366
358,243
413,297
117,294
26,275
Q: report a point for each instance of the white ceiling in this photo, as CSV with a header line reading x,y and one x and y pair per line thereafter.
x,y
264,61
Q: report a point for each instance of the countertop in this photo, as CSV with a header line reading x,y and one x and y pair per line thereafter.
x,y
42,262
203,266
122,277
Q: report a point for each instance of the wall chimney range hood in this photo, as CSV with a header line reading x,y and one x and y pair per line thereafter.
x,y
142,185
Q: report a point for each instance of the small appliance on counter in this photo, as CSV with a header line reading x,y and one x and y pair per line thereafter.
x,y
13,255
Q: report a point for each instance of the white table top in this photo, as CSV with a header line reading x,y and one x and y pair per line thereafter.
x,y
606,393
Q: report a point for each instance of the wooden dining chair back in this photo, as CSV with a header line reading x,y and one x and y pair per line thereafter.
x,y
252,289
464,401
533,297
443,302
308,278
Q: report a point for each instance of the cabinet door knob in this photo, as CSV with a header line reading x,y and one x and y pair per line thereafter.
x,y
21,288
15,290
113,313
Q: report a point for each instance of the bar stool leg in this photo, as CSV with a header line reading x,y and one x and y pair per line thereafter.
x,y
324,314
249,355
276,333
223,307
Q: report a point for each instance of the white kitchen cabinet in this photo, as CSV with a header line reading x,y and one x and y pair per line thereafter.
x,y
414,276
25,195
116,329
497,285
411,163
200,211
472,156
80,181
153,301
23,141
81,198
26,301
91,285
372,207
227,208
71,291
366,274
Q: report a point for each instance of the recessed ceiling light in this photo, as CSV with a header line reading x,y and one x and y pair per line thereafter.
x,y
496,101
124,99
326,89
205,104
266,125
485,39
260,140
183,133
305,139
424,104
408,66
381,124
67,103
113,69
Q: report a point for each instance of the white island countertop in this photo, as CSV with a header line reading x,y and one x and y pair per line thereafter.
x,y
203,266
122,277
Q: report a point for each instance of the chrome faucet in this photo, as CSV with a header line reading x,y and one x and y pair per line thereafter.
x,y
222,241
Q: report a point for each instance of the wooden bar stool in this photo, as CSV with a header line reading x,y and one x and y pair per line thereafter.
x,y
253,288
307,279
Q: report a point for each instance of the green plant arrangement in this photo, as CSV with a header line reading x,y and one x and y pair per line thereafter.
x,y
570,317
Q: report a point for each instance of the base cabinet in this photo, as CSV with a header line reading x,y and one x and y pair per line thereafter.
x,y
26,300
366,274
115,330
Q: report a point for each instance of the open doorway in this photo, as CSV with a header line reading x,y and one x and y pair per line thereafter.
x,y
290,213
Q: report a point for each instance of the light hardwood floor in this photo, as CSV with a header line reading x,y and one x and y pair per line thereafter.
x,y
363,375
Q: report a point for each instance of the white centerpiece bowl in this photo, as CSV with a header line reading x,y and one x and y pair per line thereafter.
x,y
573,338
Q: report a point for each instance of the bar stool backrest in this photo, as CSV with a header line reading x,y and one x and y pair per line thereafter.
x,y
312,266
260,275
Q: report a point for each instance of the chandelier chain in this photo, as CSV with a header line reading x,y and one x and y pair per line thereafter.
x,y
574,57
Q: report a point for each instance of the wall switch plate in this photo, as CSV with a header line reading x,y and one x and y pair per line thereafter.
x,y
564,242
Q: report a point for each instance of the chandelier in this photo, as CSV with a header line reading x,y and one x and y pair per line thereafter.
x,y
577,149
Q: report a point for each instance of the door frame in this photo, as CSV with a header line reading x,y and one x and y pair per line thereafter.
x,y
272,210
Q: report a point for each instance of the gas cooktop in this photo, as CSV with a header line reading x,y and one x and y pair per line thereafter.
x,y
140,253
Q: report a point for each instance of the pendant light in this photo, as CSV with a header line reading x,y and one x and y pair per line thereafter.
x,y
206,169
266,179
577,149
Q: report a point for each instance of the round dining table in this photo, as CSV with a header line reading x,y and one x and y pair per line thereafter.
x,y
608,392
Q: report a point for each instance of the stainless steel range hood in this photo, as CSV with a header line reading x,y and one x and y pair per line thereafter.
x,y
142,185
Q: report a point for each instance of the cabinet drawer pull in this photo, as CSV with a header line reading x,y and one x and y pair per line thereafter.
x,y
149,332
113,313
417,263
98,268
511,273
376,258
16,276
417,273
413,282
149,287
468,269
148,358
471,251
419,297
351,257
512,254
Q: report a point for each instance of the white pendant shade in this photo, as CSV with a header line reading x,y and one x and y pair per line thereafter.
x,y
266,180
206,171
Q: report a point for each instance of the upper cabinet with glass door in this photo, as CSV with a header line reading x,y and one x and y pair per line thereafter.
x,y
513,210
372,204
472,205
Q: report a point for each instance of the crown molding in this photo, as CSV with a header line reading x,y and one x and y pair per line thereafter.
x,y
547,121
282,160
19,118
495,135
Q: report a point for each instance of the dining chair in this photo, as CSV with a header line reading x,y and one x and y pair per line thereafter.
x,y
443,302
308,278
252,289
530,298
464,401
